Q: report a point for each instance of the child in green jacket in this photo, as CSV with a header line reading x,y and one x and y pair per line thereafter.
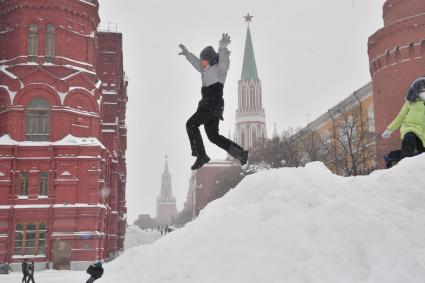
x,y
411,121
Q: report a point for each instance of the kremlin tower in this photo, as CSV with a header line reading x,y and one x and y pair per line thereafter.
x,y
250,115
166,202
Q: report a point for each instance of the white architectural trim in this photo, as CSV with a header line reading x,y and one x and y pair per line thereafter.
x,y
251,118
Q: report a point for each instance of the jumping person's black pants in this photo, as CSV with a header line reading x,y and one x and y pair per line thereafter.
x,y
411,145
211,124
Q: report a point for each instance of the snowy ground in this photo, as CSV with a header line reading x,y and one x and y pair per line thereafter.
x,y
291,225
49,277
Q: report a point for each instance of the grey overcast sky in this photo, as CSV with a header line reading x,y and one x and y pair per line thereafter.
x,y
310,55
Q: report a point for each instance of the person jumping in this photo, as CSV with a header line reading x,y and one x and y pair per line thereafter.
x,y
213,68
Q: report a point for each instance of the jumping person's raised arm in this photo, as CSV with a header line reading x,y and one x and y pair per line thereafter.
x,y
195,61
224,53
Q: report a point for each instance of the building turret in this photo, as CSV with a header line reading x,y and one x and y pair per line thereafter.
x,y
397,57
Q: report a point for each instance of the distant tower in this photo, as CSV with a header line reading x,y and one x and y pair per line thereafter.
x,y
166,202
250,116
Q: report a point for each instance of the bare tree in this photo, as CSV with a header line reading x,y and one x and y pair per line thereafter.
x,y
353,142
313,147
269,153
280,151
292,150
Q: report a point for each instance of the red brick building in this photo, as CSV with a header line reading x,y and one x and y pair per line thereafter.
x,y
63,135
211,182
397,57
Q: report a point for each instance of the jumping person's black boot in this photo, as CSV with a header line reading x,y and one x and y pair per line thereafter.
x,y
200,161
244,157
239,153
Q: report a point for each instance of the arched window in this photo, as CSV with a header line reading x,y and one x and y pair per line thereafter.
x,y
50,44
252,97
243,97
37,120
32,43
246,94
259,99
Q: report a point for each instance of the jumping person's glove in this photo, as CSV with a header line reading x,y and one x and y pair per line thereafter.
x,y
225,41
184,50
387,134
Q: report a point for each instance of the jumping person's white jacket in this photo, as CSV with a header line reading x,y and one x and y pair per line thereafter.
x,y
213,74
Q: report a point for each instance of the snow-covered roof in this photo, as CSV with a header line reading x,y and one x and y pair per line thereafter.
x,y
37,206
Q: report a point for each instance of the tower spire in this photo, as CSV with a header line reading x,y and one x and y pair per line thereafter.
x,y
166,170
249,67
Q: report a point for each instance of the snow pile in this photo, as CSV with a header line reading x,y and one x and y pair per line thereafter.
x,y
296,225
134,236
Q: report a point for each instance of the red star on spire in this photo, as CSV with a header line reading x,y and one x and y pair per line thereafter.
x,y
248,18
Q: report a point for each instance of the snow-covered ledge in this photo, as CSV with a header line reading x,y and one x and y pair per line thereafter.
x,y
68,140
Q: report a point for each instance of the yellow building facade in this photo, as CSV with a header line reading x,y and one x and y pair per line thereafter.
x,y
346,134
